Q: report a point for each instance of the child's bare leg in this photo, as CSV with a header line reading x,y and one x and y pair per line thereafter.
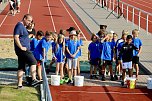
x,y
130,72
78,65
57,69
61,70
123,74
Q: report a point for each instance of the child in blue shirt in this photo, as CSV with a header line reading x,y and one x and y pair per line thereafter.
x,y
107,48
93,55
80,51
138,43
41,51
59,56
72,49
34,42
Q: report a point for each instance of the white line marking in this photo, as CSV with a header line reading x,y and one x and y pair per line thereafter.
x,y
4,19
73,20
51,15
29,7
122,93
5,35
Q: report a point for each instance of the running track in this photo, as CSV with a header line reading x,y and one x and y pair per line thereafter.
x,y
51,15
143,5
103,93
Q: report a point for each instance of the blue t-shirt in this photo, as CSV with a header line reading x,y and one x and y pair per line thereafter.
x,y
38,52
137,43
59,52
34,42
94,50
23,36
72,46
107,50
81,44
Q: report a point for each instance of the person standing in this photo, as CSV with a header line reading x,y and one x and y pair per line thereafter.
x,y
18,3
22,50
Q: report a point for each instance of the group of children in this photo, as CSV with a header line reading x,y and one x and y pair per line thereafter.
x,y
14,7
105,49
65,52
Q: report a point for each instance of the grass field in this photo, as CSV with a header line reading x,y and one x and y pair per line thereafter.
x,y
10,93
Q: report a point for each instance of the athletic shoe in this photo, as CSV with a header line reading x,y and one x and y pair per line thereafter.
x,y
103,78
70,82
116,77
112,78
66,79
62,81
95,76
36,82
91,76
122,83
19,87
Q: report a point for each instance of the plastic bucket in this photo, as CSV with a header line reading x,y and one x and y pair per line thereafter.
x,y
149,83
55,80
78,81
131,82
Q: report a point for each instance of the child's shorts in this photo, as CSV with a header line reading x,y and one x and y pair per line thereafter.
x,y
135,60
107,62
127,65
72,63
94,61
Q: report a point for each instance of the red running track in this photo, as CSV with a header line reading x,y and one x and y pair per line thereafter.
x,y
141,4
51,15
99,93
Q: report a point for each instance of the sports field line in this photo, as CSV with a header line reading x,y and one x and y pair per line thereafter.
x,y
89,92
73,19
50,12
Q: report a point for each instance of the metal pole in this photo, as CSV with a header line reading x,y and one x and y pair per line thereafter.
x,y
139,19
127,13
133,17
147,23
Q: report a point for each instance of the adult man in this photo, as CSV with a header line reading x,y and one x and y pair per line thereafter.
x,y
22,50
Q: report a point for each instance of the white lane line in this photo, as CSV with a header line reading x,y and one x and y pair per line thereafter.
x,y
29,7
9,35
51,15
122,93
4,19
73,19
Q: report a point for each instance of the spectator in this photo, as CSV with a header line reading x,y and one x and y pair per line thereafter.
x,y
72,49
138,43
18,3
127,56
0,1
41,51
59,55
80,51
22,50
93,55
12,7
31,30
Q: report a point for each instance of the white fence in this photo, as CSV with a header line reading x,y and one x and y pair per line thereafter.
x,y
136,15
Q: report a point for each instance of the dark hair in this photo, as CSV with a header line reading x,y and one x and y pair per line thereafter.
x,y
103,26
27,15
39,33
129,37
93,36
70,29
47,33
62,32
78,32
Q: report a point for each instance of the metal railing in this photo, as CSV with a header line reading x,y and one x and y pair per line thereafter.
x,y
136,15
44,88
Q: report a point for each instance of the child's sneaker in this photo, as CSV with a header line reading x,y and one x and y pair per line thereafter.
x,y
103,78
62,81
66,79
35,82
122,83
112,78
91,76
116,77
19,87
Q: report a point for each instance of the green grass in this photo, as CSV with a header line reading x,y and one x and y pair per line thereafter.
x,y
10,93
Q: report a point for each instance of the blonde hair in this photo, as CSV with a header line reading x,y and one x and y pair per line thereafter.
x,y
125,32
134,31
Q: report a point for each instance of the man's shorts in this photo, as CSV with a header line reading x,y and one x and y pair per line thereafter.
x,y
127,65
107,62
72,63
25,57
135,60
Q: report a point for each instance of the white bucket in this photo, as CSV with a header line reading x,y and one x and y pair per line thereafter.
x,y
149,83
78,80
55,80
